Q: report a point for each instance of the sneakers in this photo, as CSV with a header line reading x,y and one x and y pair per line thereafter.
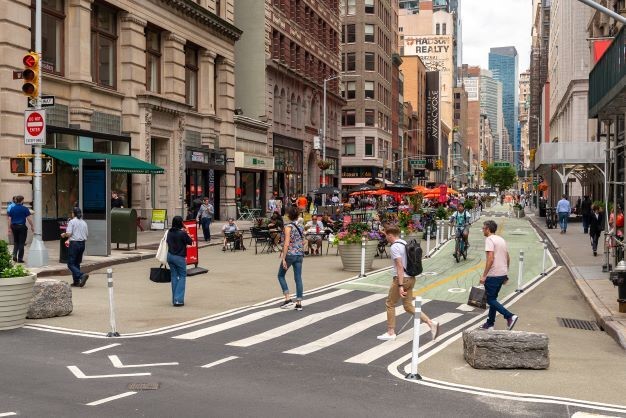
x,y
486,327
83,280
387,337
434,330
286,304
298,306
510,323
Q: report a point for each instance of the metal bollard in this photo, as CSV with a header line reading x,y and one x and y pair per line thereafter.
x,y
416,340
449,231
428,241
543,261
437,236
113,332
520,272
362,258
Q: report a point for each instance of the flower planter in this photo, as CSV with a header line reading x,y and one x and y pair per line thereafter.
x,y
351,255
15,296
519,213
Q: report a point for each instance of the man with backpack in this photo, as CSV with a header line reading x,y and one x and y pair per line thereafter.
x,y
461,219
407,263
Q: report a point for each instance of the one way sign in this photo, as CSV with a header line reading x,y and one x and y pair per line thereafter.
x,y
46,101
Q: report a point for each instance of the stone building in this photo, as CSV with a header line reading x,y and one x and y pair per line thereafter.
x,y
153,80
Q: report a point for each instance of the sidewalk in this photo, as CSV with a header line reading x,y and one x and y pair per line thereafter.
x,y
575,250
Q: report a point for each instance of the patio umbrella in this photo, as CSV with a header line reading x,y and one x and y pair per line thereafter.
x,y
399,188
362,188
452,191
421,189
326,190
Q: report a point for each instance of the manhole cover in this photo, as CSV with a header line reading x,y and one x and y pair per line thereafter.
x,y
578,324
143,386
457,290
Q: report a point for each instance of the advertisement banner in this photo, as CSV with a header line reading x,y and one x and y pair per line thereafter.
x,y
159,217
433,124
599,48
443,193
192,250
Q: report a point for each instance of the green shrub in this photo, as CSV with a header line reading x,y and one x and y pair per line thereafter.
x,y
441,213
7,269
15,271
469,204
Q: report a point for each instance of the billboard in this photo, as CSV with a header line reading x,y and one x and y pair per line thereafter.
x,y
437,54
433,121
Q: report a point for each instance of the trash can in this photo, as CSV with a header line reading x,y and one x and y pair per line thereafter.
x,y
63,246
124,227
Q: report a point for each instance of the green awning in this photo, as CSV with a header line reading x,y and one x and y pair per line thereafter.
x,y
119,163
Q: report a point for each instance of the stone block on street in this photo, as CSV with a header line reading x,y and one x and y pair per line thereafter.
x,y
50,298
506,349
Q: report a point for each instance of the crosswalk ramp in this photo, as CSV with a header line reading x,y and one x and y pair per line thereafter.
x,y
340,322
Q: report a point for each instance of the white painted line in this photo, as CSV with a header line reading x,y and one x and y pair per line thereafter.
x,y
367,285
7,414
406,337
303,322
253,317
218,362
100,348
117,363
344,333
111,398
80,375
465,308
588,415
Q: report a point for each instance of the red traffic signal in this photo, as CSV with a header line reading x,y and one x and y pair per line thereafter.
x,y
30,60
19,165
30,75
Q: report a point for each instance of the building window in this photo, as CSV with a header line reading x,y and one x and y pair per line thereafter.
x,y
191,76
351,61
351,90
443,28
348,147
52,21
348,118
369,32
370,61
351,9
369,7
370,117
153,60
369,147
437,29
368,89
350,33
218,7
103,45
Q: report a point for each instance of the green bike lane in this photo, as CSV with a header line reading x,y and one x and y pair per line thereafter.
x,y
446,280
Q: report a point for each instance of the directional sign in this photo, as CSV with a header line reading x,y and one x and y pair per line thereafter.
x,y
46,101
34,127
417,162
501,164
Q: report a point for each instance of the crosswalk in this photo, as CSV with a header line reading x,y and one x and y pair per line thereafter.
x,y
339,321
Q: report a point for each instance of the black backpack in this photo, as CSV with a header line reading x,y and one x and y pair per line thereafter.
x,y
413,258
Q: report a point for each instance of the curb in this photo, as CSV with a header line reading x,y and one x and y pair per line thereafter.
x,y
600,311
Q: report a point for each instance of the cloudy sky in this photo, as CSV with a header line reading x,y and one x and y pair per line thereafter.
x,y
494,23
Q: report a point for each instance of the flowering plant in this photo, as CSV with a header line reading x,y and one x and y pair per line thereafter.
x,y
355,232
406,223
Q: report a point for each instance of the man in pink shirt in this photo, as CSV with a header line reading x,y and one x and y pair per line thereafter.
x,y
495,275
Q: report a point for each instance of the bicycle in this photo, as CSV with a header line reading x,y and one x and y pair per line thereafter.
x,y
460,247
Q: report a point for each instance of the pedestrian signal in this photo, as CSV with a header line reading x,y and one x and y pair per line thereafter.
x,y
30,75
47,165
19,165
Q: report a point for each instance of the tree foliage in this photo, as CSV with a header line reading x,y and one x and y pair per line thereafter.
x,y
500,177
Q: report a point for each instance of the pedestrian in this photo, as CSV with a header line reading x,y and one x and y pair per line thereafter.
x,y
563,208
401,287
271,204
292,255
19,215
596,226
116,201
585,209
9,207
205,217
77,233
495,275
177,241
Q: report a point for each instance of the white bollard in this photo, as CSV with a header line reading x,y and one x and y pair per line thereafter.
x,y
416,340
437,235
449,231
113,332
428,241
543,262
362,258
520,272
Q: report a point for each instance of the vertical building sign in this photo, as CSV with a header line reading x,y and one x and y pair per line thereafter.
x,y
433,124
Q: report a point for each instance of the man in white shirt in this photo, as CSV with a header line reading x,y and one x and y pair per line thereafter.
x,y
313,230
77,233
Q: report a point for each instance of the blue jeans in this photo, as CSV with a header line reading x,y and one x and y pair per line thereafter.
x,y
563,218
493,284
206,230
296,262
178,269
74,258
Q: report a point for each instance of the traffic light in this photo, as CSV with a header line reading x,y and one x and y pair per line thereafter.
x,y
483,164
19,165
439,164
30,75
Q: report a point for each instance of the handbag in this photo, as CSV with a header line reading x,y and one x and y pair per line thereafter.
x,y
160,274
161,253
477,297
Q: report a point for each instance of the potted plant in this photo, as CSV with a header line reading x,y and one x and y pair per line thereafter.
x,y
16,290
518,210
409,227
323,164
350,242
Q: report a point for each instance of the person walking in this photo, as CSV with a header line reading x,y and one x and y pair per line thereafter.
x,y
401,287
585,209
596,226
495,275
177,241
116,201
563,208
205,217
19,215
292,255
77,232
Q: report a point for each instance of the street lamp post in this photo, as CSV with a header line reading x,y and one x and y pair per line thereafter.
x,y
402,152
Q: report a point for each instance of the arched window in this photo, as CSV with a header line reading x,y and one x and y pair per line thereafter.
x,y
294,111
314,112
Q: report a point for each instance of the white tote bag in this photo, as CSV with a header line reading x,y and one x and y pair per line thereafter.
x,y
161,253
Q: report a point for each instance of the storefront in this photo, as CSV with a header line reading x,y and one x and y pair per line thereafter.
x,y
250,174
204,177
332,172
288,168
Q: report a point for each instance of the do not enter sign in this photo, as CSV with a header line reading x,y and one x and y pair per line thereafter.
x,y
35,127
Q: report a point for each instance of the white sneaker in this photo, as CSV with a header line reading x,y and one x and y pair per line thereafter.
x,y
434,330
387,337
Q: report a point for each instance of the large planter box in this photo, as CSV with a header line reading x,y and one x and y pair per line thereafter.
x,y
351,255
519,213
15,296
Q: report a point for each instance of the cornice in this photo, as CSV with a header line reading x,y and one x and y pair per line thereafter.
x,y
205,17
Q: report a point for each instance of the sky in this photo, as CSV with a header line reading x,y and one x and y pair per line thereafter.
x,y
496,23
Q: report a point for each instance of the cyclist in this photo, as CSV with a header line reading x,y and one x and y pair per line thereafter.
x,y
461,219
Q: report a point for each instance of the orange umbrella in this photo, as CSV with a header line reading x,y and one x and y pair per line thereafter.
x,y
452,191
421,189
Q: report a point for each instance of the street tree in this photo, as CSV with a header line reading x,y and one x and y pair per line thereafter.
x,y
500,177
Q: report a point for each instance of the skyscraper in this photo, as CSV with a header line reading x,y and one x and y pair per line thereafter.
x,y
503,63
491,105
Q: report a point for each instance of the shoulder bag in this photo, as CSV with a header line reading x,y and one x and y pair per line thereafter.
x,y
161,253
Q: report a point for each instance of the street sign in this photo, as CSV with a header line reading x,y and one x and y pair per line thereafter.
x,y
417,162
419,174
18,75
34,127
46,101
501,164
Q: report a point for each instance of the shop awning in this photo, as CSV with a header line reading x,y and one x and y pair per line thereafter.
x,y
119,163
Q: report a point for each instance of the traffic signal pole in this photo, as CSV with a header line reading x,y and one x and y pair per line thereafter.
x,y
37,253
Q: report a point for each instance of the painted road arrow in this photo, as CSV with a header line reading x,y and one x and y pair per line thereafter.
x,y
118,363
80,375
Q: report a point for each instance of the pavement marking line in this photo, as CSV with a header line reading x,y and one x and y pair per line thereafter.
x,y
94,350
580,414
367,284
111,398
345,333
78,373
218,362
448,279
465,308
406,337
8,414
117,363
303,322
203,332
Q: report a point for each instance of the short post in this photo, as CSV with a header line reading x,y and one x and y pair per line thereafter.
x,y
416,340
520,272
449,231
543,261
437,235
362,257
428,241
607,263
113,332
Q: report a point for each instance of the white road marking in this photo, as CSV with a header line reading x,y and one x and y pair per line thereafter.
x,y
101,348
215,363
80,375
303,322
465,308
117,363
406,337
368,284
344,333
7,414
203,332
110,398
588,415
